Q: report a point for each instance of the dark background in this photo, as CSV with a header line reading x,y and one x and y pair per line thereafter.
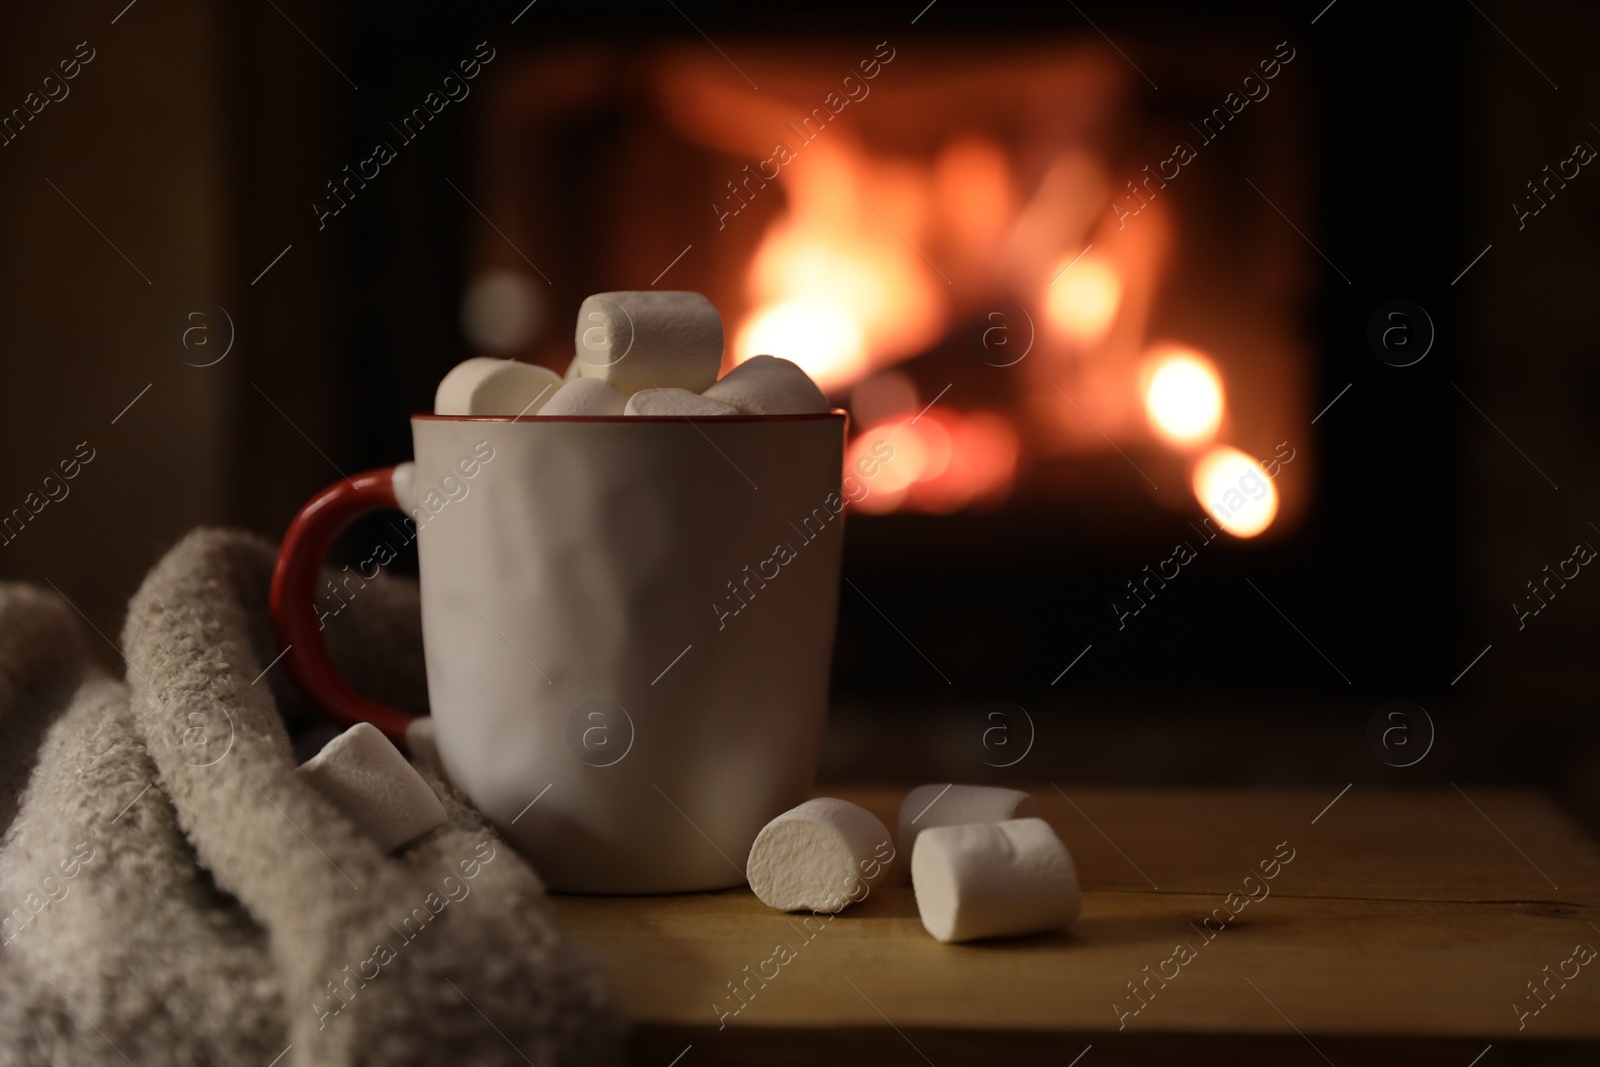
x,y
199,135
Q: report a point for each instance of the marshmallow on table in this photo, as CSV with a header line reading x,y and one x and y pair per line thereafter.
x,y
644,340
586,396
675,402
484,386
767,385
993,880
367,778
953,805
818,856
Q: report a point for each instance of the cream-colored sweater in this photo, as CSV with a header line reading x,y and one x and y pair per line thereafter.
x,y
171,893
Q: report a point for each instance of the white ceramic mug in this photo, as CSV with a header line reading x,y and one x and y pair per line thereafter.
x,y
627,625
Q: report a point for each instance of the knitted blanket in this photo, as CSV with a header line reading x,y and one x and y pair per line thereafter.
x,y
172,893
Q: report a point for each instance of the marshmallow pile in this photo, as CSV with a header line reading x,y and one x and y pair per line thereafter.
x,y
982,864
637,353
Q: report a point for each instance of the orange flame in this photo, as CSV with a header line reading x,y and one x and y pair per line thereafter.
x,y
1235,490
836,288
1083,300
1183,395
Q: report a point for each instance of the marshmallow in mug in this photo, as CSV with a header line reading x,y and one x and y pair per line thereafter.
x,y
639,353
644,340
485,386
586,396
675,402
767,385
815,856
999,879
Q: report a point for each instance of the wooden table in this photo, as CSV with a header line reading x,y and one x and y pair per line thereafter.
x,y
1405,928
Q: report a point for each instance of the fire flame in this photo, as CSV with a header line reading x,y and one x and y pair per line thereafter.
x,y
844,282
837,287
823,338
1084,299
868,255
1234,489
1183,396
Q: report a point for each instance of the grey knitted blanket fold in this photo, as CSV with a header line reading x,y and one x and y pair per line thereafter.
x,y
172,893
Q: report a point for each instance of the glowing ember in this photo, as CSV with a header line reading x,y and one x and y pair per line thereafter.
x,y
1083,301
905,466
982,467
938,462
1233,488
1183,399
882,397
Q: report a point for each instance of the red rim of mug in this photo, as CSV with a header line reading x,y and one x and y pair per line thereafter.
x,y
836,413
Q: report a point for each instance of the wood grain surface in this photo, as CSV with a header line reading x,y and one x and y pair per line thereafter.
x,y
1406,928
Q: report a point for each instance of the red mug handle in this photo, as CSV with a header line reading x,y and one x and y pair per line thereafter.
x,y
294,594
